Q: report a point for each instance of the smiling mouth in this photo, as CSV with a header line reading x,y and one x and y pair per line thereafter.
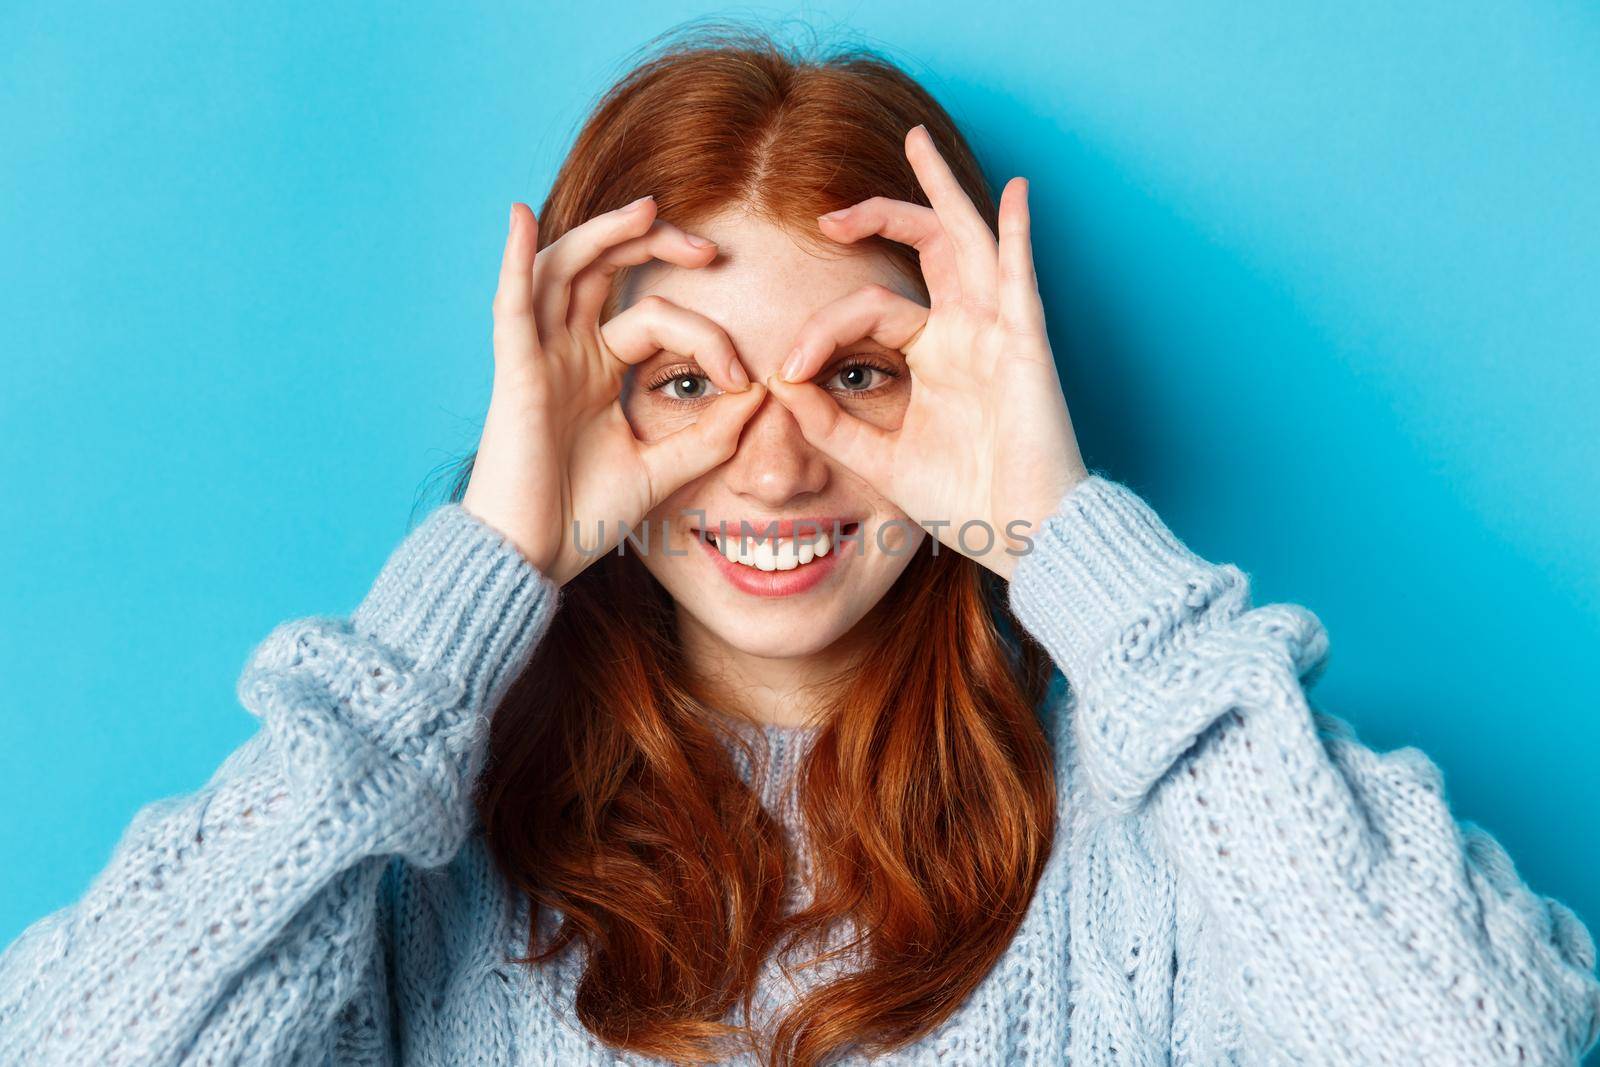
x,y
772,554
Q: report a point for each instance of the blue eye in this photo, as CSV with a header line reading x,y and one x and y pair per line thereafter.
x,y
858,377
684,386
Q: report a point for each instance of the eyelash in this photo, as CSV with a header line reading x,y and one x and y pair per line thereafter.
x,y
688,370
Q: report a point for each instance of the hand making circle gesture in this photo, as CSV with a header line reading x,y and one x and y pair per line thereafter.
x,y
557,449
986,436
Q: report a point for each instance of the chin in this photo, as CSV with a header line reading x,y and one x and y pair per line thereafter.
x,y
773,636
770,627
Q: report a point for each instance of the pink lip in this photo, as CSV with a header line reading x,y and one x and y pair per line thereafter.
x,y
776,583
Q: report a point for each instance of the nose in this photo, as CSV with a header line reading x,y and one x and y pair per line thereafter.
x,y
774,463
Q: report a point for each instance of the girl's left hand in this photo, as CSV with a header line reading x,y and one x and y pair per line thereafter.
x,y
986,436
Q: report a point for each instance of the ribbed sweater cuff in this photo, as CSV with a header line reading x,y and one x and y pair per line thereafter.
x,y
456,597
1100,556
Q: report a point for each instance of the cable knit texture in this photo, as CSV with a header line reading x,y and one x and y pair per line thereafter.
x,y
1236,878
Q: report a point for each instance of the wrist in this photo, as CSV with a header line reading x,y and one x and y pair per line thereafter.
x,y
514,533
1021,527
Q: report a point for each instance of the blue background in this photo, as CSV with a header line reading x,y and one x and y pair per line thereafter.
x,y
1323,281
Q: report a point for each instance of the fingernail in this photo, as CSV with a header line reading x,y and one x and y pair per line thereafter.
x,y
740,378
833,216
791,366
639,203
511,226
696,240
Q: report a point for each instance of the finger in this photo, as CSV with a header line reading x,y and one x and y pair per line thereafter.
x,y
974,242
575,250
1021,308
655,323
873,310
662,241
907,224
516,341
854,442
708,441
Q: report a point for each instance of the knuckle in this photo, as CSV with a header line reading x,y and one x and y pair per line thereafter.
x,y
708,338
506,306
555,249
877,294
619,225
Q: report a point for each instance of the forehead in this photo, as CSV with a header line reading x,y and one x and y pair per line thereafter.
x,y
762,279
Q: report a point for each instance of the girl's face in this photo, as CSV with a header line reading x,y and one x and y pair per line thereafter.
x,y
760,289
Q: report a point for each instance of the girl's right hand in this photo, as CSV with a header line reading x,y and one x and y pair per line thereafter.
x,y
556,448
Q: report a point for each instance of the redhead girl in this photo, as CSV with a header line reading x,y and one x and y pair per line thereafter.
x,y
778,686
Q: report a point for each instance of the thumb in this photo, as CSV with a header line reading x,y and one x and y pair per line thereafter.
x,y
859,445
710,440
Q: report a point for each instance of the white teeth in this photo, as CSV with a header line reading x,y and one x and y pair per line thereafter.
x,y
787,554
765,557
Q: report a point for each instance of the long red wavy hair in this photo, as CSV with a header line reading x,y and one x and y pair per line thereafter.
x,y
610,797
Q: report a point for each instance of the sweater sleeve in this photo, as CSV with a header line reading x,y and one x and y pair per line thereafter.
x,y
1358,921
243,923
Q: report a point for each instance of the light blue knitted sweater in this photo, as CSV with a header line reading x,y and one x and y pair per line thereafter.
x,y
1236,878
